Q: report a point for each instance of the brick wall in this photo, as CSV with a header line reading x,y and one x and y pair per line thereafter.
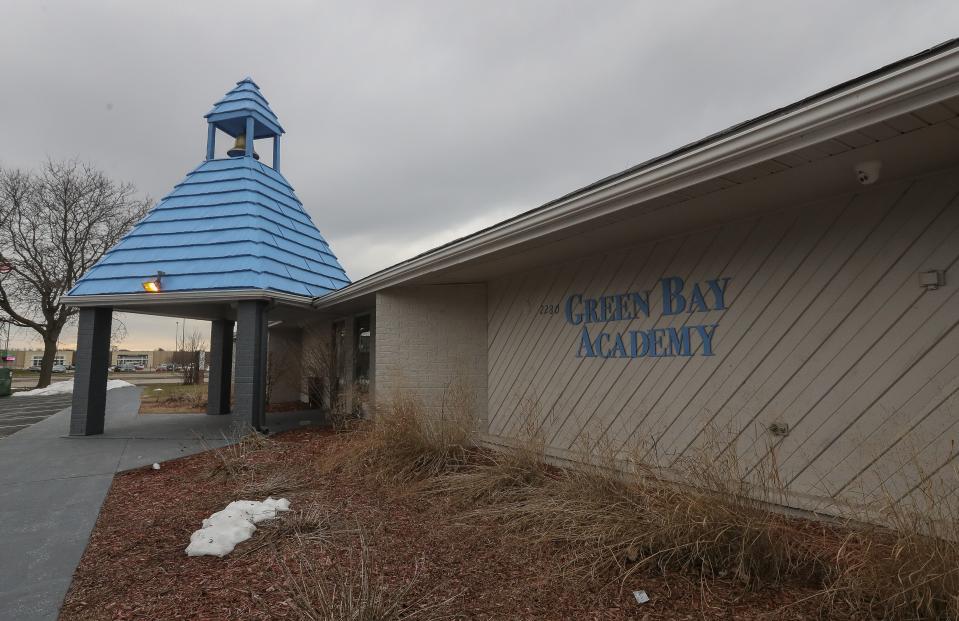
x,y
430,341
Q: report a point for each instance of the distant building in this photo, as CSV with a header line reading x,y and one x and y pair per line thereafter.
x,y
149,358
26,358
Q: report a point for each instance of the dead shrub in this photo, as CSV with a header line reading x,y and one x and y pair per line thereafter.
x,y
907,569
310,524
492,477
346,406
406,442
502,475
615,518
357,593
234,460
278,479
301,526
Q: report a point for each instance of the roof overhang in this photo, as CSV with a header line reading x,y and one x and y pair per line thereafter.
x,y
120,300
205,305
234,123
911,84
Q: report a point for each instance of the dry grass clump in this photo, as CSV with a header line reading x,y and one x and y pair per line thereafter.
x,y
617,521
502,475
280,478
357,593
406,442
907,570
250,464
234,459
493,477
311,524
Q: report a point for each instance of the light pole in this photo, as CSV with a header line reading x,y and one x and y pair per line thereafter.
x,y
6,345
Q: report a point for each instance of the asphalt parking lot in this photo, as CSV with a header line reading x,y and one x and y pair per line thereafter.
x,y
17,413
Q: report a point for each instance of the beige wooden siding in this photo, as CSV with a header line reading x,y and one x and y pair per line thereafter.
x,y
826,329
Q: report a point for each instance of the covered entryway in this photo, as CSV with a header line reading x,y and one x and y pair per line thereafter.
x,y
230,244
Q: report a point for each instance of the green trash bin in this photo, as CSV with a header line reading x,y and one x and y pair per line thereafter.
x,y
6,381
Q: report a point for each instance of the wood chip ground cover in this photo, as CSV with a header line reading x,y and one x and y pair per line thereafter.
x,y
135,567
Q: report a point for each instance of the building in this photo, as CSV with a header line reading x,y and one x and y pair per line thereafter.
x,y
782,289
150,359
232,244
24,359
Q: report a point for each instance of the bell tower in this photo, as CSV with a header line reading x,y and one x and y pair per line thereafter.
x,y
245,115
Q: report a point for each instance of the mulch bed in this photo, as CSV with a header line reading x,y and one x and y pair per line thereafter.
x,y
135,566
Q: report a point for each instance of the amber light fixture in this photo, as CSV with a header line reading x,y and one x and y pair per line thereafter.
x,y
154,284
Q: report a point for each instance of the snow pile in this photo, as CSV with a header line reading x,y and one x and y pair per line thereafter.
x,y
223,530
64,388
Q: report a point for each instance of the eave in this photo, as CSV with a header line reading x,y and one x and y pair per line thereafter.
x,y
924,79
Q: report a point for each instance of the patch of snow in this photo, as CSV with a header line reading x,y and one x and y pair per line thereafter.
x,y
223,530
64,388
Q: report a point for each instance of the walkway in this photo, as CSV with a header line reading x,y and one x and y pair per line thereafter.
x,y
52,487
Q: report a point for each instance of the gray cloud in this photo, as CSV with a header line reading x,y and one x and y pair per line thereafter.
x,y
409,123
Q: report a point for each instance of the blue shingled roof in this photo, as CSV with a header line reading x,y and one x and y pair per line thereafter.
x,y
229,114
231,224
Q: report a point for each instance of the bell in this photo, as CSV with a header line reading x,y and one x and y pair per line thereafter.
x,y
239,148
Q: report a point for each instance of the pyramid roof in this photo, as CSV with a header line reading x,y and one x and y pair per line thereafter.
x,y
231,224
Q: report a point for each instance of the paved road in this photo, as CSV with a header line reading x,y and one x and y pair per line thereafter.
x,y
30,381
17,413
134,378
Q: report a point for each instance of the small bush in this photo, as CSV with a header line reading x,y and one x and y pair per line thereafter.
x,y
492,477
234,460
615,516
907,569
503,475
357,593
406,443
278,479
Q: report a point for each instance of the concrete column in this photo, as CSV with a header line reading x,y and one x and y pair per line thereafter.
x,y
250,380
371,394
90,379
221,367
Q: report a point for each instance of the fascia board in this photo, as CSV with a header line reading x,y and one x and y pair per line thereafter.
x,y
180,297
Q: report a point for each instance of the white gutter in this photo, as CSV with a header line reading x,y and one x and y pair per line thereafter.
x,y
912,86
120,300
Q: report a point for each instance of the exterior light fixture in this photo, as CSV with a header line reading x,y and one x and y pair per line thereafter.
x,y
932,280
153,285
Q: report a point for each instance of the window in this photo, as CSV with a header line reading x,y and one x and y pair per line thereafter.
x,y
132,359
38,360
361,351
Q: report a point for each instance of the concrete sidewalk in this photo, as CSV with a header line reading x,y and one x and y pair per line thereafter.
x,y
52,487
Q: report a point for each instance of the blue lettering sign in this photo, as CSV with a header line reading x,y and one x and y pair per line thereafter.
x,y
666,342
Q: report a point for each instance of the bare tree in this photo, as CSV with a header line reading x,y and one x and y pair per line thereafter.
x,y
343,402
193,345
55,223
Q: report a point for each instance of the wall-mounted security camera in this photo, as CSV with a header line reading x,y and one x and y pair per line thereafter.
x,y
867,173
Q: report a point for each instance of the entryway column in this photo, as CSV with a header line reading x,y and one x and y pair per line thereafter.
x,y
221,367
90,378
250,380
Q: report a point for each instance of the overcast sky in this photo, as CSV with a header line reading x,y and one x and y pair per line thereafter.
x,y
410,123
